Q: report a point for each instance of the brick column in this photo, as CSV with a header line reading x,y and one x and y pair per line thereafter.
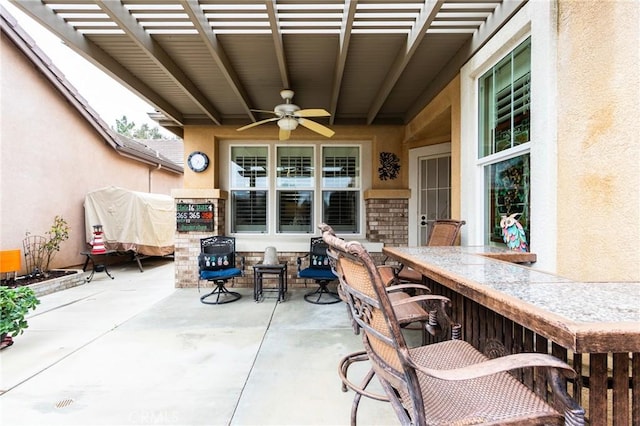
x,y
387,213
187,243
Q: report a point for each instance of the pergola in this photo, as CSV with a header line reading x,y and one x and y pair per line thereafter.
x,y
214,62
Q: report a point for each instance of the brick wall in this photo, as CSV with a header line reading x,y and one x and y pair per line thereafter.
x,y
386,222
187,244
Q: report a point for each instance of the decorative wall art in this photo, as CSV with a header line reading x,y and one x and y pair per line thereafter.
x,y
389,166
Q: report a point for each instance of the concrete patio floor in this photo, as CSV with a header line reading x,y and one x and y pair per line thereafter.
x,y
137,351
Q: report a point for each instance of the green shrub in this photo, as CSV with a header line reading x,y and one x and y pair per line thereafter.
x,y
15,303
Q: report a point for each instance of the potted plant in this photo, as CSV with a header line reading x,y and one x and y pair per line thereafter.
x,y
15,303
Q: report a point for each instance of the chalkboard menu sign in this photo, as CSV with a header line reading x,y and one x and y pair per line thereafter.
x,y
194,217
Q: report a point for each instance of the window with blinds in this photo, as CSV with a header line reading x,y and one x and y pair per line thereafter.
x,y
249,184
295,169
505,102
297,196
249,211
505,114
295,211
341,188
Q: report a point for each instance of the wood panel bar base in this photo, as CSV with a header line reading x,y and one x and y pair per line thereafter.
x,y
605,354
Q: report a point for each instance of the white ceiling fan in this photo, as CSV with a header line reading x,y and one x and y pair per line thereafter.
x,y
289,115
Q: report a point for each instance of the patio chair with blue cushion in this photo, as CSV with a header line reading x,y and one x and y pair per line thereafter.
x,y
217,264
320,271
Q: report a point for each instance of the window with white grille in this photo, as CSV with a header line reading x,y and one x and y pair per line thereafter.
x,y
341,188
505,102
295,185
249,189
288,188
504,140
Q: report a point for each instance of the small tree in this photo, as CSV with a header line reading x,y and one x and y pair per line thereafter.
x,y
129,129
58,233
39,251
146,132
124,127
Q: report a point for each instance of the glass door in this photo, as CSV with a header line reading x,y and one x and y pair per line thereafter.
x,y
434,193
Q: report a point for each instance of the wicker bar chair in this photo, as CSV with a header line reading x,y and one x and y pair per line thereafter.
x,y
409,309
428,310
444,232
448,382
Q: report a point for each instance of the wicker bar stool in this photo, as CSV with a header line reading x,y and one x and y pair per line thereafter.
x,y
448,382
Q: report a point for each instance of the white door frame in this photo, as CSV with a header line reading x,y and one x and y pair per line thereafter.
x,y
415,155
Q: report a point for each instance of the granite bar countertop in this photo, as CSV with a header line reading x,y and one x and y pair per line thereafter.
x,y
583,316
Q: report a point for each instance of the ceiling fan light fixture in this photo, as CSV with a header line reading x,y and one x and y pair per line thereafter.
x,y
288,123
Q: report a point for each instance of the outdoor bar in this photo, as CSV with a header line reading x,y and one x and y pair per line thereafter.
x,y
505,307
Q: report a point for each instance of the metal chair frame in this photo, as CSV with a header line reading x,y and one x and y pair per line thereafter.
x,y
318,270
448,382
444,232
217,264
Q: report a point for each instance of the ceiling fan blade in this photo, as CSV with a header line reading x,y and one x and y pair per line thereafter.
x,y
284,134
263,111
257,123
316,127
314,112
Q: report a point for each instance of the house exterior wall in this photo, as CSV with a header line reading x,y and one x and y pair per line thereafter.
x,y
585,175
585,136
435,129
50,157
388,194
599,140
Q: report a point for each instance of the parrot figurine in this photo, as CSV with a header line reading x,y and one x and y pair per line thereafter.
x,y
513,233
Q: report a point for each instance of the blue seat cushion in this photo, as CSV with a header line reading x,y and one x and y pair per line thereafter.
x,y
220,274
317,274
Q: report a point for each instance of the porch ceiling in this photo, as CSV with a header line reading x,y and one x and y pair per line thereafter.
x,y
215,61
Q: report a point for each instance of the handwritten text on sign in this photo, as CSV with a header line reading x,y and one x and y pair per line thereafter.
x,y
194,217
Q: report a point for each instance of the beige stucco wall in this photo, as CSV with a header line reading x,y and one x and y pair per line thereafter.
x,y
439,122
51,157
206,139
598,140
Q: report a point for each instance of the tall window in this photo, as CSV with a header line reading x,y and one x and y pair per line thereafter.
x,y
249,188
287,188
505,99
341,188
295,186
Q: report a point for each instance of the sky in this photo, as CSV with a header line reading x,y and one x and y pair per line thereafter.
x,y
105,95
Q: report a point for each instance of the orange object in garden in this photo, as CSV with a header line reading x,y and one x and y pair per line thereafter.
x,y
9,261
97,243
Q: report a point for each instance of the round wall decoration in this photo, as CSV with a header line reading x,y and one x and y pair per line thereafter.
x,y
198,161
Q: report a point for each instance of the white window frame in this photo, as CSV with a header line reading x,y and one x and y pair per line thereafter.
x,y
278,188
538,22
246,241
358,188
